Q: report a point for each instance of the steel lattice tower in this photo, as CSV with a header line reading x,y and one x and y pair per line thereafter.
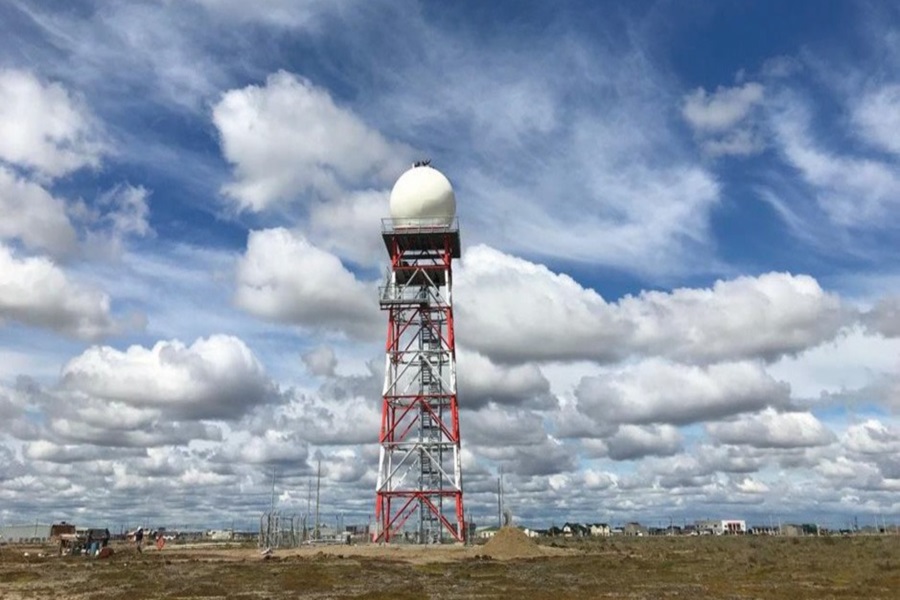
x,y
419,468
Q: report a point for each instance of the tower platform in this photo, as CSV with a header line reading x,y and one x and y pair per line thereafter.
x,y
421,235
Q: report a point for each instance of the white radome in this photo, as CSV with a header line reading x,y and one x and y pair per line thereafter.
x,y
423,195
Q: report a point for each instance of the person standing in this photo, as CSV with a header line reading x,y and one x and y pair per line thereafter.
x,y
139,539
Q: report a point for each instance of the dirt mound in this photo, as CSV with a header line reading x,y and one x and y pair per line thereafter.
x,y
510,542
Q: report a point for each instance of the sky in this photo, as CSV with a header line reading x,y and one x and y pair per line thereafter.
x,y
678,296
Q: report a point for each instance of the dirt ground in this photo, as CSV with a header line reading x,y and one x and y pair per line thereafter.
x,y
707,567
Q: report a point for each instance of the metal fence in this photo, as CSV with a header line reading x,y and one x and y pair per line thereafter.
x,y
277,530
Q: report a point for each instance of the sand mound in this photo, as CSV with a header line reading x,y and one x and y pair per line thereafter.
x,y
510,542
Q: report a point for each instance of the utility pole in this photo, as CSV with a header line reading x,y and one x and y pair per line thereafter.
x,y
318,486
500,501
308,508
273,490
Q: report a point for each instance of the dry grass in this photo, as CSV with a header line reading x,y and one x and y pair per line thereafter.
x,y
708,567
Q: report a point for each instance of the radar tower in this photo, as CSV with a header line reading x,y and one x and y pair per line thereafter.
x,y
420,471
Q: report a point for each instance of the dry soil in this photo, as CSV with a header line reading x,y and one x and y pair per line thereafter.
x,y
509,566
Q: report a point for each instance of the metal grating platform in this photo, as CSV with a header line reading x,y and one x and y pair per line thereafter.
x,y
421,235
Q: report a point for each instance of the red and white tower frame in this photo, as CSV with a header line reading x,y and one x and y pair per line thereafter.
x,y
419,467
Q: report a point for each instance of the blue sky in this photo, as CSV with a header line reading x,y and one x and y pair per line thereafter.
x,y
678,219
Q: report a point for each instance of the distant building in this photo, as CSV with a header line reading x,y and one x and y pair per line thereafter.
x,y
358,530
62,528
245,536
187,536
33,533
220,535
724,526
763,530
575,530
635,528
599,529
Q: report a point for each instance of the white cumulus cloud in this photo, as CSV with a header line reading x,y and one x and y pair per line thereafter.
x,y
350,225
656,391
36,292
502,427
884,317
748,485
765,316
632,442
215,377
284,278
44,128
872,437
320,361
511,309
482,381
33,216
269,446
289,136
771,428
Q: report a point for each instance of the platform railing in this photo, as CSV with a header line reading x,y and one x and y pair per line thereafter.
x,y
422,225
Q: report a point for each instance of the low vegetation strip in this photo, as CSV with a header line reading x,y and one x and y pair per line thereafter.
x,y
510,567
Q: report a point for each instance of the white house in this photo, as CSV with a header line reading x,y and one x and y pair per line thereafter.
x,y
220,535
574,530
600,529
724,526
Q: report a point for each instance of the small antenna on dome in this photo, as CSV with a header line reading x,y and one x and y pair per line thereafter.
x,y
422,163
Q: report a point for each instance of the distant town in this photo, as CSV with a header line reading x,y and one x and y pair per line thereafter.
x,y
704,527
75,539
